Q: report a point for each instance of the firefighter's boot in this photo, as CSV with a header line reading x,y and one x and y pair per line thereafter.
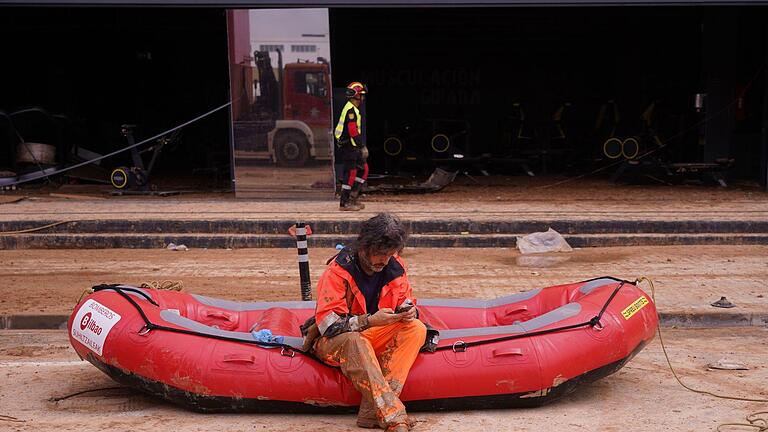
x,y
354,196
346,203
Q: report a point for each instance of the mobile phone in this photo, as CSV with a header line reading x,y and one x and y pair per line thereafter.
x,y
404,308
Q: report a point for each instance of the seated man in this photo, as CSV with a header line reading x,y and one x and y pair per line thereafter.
x,y
367,322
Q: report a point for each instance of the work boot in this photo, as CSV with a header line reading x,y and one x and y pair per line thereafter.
x,y
398,427
354,198
346,203
366,416
350,206
354,195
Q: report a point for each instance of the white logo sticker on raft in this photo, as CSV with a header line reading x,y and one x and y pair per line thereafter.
x,y
92,325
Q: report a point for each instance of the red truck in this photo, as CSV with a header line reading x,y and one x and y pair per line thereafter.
x,y
287,118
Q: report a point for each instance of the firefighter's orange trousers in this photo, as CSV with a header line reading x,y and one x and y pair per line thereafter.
x,y
377,361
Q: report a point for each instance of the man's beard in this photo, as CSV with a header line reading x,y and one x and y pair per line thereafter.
x,y
367,266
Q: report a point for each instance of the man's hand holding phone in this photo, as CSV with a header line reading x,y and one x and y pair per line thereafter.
x,y
407,311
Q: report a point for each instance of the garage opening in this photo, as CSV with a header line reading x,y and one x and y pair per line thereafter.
x,y
72,77
558,90
499,91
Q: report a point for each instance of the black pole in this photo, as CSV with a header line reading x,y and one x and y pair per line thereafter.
x,y
301,246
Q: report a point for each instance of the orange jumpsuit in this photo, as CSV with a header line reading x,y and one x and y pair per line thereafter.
x,y
376,359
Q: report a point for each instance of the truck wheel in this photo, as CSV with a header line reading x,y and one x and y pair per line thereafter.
x,y
291,149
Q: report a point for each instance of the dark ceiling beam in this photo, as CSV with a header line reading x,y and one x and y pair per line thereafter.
x,y
376,3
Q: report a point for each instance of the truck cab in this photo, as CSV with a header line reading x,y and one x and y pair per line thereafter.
x,y
304,129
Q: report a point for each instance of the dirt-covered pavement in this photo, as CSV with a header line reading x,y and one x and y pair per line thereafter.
x,y
687,278
496,197
36,366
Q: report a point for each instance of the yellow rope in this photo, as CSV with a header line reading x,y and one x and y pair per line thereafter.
x,y
85,291
164,285
664,349
754,421
168,285
28,230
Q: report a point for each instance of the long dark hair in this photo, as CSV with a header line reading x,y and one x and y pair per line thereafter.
x,y
381,234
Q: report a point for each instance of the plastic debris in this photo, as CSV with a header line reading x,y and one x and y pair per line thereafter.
x,y
175,247
541,261
266,336
542,242
727,364
723,303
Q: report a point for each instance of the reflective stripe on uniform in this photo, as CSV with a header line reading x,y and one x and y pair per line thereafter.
x,y
327,321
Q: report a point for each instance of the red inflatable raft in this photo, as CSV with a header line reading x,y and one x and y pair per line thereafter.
x,y
521,350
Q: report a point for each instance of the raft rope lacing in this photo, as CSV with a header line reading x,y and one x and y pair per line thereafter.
x,y
754,420
289,350
149,325
594,322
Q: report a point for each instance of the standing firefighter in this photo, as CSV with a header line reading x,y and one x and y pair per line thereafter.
x,y
367,321
351,142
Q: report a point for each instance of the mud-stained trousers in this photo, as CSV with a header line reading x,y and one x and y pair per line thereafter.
x,y
377,361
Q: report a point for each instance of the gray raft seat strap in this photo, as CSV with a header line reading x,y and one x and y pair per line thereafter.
x,y
597,283
252,306
189,324
554,316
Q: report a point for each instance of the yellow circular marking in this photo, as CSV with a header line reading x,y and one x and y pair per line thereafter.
x,y
608,142
447,143
125,178
633,142
390,142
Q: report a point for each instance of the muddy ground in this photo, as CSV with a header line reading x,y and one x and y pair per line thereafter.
x,y
687,278
490,198
36,366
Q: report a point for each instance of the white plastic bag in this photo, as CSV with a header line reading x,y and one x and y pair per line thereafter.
x,y
541,242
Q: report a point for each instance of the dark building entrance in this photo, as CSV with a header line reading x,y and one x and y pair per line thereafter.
x,y
551,86
92,70
501,90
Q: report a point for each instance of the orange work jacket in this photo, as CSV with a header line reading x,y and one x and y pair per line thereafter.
x,y
338,296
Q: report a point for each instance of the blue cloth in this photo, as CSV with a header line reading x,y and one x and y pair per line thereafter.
x,y
266,336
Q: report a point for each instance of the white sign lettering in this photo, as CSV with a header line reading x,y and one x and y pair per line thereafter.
x,y
92,325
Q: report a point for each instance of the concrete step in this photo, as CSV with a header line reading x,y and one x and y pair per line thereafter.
x,y
435,226
238,241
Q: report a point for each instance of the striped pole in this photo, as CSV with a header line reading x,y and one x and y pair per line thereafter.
x,y
301,246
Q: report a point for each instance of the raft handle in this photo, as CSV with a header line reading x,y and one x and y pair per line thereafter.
x,y
507,352
287,352
144,330
459,346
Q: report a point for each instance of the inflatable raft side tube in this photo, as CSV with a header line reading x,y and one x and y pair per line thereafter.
x,y
220,404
